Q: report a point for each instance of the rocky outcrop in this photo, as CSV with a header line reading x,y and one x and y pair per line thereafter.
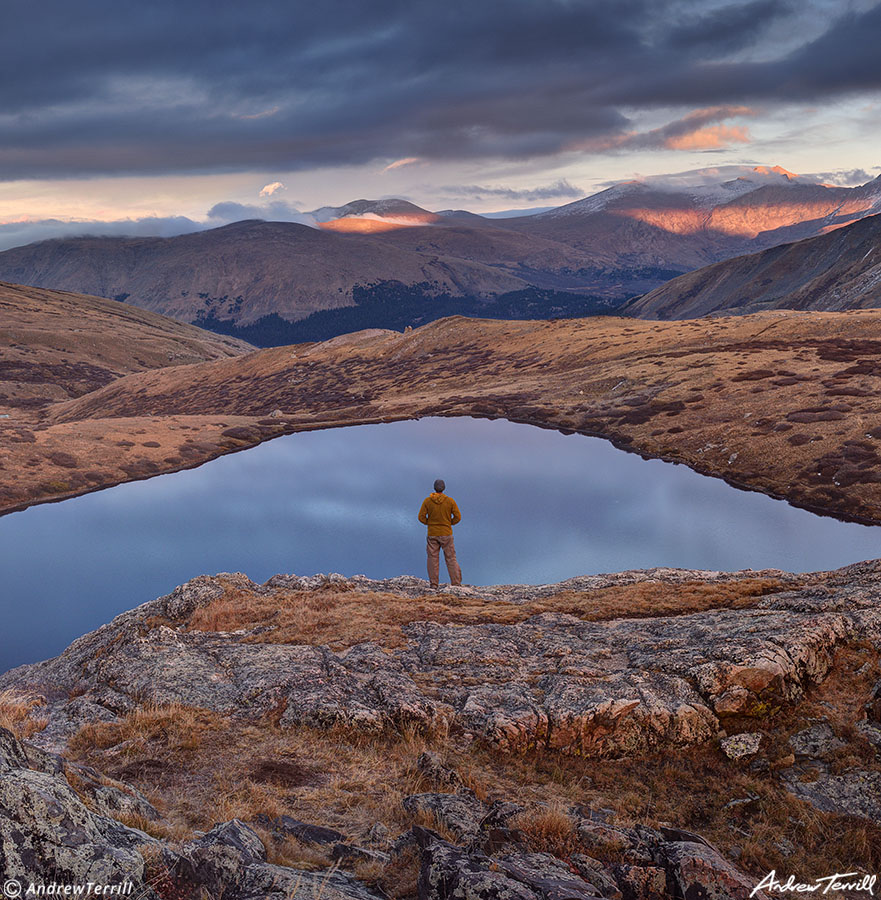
x,y
650,865
509,679
47,829
447,872
852,793
699,872
812,777
596,688
816,742
51,834
599,688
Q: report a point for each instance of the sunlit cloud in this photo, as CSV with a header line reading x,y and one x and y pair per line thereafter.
x,y
559,189
716,137
269,189
25,231
701,129
844,177
272,211
400,163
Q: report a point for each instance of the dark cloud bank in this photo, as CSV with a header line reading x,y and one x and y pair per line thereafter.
x,y
99,87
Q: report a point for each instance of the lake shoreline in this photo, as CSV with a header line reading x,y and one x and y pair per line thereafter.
x,y
537,506
620,442
759,401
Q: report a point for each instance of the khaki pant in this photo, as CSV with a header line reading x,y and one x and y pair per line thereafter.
x,y
433,546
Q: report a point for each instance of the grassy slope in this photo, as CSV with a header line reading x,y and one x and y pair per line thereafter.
x,y
779,402
55,345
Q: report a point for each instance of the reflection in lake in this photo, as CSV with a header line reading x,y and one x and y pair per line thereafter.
x,y
537,506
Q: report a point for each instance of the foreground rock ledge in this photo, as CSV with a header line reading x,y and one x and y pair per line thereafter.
x,y
52,834
553,680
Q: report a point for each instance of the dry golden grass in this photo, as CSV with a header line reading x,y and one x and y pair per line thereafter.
x,y
549,830
293,853
340,617
203,768
425,818
174,726
400,877
163,830
15,714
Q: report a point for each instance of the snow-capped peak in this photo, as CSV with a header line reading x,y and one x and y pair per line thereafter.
x,y
706,188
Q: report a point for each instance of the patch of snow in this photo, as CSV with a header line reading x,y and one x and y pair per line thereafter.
x,y
706,188
596,202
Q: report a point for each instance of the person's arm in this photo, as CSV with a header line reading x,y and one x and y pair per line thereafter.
x,y
454,511
423,513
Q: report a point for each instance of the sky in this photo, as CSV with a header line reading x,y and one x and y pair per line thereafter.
x,y
163,117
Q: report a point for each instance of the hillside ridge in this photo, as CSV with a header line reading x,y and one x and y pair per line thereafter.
x,y
832,272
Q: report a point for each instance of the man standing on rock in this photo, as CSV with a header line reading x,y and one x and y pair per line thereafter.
x,y
440,513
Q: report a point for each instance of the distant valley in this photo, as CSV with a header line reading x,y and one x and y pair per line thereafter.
x,y
390,263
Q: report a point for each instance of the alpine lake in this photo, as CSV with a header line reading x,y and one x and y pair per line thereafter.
x,y
537,506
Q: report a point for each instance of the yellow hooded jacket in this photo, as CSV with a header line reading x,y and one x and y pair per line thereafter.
x,y
439,512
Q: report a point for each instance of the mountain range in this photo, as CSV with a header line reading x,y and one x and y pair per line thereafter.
x,y
835,271
389,262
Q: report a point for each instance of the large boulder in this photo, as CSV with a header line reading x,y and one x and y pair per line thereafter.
x,y
817,741
217,861
699,872
549,877
460,814
449,873
856,792
48,833
873,707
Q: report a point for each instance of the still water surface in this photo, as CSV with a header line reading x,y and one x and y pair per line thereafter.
x,y
537,506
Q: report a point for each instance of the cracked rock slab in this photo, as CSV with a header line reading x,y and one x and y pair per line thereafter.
x,y
853,793
610,687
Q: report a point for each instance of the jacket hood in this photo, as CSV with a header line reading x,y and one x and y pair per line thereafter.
x,y
437,498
